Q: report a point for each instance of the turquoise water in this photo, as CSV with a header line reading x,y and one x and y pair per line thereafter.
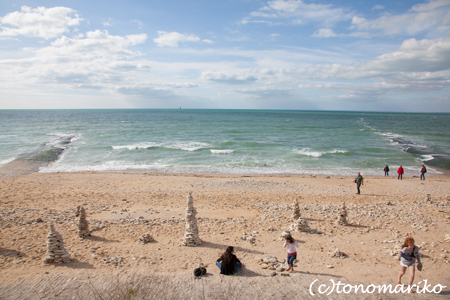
x,y
226,141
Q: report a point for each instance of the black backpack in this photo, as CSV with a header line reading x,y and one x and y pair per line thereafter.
x,y
199,272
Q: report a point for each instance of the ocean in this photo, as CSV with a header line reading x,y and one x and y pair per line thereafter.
x,y
226,141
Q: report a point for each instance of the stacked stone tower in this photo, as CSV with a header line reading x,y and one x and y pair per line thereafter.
x,y
342,216
191,238
55,248
83,225
296,213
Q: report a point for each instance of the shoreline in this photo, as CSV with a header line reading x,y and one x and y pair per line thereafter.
x,y
24,167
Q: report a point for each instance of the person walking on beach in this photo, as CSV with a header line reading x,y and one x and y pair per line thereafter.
x,y
386,170
409,255
290,244
422,172
359,180
400,173
228,263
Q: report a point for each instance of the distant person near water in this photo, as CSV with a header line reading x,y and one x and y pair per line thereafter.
x,y
408,257
386,170
290,244
359,180
228,263
422,172
400,173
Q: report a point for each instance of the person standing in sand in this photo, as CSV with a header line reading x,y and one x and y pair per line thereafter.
x,y
386,170
290,244
359,180
400,173
228,263
409,255
422,172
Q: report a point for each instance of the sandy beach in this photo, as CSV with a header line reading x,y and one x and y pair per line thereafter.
x,y
121,207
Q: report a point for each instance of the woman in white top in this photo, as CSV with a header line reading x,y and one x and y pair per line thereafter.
x,y
409,255
290,244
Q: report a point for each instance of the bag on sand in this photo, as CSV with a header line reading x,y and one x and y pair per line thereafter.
x,y
199,271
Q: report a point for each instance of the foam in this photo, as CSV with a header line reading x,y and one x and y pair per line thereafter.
x,y
309,152
226,151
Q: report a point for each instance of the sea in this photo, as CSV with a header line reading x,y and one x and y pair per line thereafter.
x,y
207,141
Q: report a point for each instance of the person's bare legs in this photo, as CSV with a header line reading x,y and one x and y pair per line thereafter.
x,y
402,272
412,270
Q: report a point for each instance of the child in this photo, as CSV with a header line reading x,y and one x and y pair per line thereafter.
x,y
290,244
409,254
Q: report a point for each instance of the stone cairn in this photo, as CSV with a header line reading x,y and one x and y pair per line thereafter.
x,y
55,248
296,213
191,238
299,224
83,225
342,216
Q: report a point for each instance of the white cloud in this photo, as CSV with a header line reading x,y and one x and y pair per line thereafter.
x,y
171,39
96,44
109,23
416,67
432,17
298,12
376,7
324,33
237,78
39,22
415,56
98,60
267,92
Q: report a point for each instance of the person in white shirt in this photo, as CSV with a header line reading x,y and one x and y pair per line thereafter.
x,y
408,256
290,244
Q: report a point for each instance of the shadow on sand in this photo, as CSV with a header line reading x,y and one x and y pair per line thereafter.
x,y
224,246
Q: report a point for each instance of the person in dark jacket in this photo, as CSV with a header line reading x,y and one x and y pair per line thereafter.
x,y
228,263
422,172
386,170
359,180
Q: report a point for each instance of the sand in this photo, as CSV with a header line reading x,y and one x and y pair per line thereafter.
x,y
121,207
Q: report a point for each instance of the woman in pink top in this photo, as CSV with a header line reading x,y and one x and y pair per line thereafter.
x,y
290,244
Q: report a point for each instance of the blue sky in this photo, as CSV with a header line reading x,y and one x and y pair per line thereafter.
x,y
231,54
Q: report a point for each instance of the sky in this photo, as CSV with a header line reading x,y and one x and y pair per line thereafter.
x,y
353,55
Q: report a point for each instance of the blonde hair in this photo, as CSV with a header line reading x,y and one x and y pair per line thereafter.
x,y
408,241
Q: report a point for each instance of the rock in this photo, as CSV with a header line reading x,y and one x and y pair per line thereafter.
x,y
145,239
273,273
337,254
271,228
447,238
